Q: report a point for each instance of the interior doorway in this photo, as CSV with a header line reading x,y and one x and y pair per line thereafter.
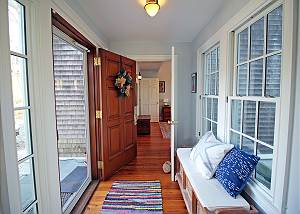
x,y
155,90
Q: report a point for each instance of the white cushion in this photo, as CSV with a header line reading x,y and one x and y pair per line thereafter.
x,y
210,193
209,156
207,137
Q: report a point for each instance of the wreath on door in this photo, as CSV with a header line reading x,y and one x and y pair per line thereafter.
x,y
123,83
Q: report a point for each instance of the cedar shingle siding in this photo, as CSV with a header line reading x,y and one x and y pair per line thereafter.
x,y
70,99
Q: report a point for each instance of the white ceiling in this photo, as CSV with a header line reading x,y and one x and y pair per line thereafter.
x,y
126,20
149,66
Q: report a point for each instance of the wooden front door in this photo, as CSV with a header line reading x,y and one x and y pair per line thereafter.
x,y
118,125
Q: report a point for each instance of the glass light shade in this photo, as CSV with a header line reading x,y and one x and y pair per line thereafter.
x,y
140,76
152,8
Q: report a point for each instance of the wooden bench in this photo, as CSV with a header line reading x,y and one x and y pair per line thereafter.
x,y
204,196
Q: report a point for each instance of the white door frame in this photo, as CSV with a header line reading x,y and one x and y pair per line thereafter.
x,y
159,58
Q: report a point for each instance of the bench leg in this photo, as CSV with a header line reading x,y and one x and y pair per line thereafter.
x,y
194,203
184,180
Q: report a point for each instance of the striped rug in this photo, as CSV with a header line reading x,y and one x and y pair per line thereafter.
x,y
133,197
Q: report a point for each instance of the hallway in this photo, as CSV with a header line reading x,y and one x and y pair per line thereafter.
x,y
153,151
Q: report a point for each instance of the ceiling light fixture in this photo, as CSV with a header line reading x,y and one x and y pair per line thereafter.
x,y
152,7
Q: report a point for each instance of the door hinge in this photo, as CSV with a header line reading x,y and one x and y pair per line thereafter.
x,y
100,164
97,61
227,99
98,114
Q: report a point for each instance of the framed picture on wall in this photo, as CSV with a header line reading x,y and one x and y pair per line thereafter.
x,y
162,86
194,82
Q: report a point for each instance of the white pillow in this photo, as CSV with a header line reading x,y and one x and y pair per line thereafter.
x,y
209,155
207,137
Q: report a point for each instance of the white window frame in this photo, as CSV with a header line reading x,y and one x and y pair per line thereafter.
x,y
269,192
225,37
67,208
203,81
10,143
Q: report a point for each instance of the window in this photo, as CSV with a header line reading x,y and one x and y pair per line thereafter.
x,y
71,108
210,95
254,106
22,105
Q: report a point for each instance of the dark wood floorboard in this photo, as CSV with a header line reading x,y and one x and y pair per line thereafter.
x,y
153,151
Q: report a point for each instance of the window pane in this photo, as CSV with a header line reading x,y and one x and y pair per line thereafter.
x,y
256,78
247,145
274,41
204,126
243,46
16,13
266,122
212,84
214,128
71,117
209,102
217,83
257,38
208,125
235,139
19,81
273,73
22,129
214,60
215,110
249,116
27,183
242,71
264,166
203,107
207,80
236,115
218,58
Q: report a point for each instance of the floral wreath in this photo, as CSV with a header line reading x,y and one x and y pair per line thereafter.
x,y
123,83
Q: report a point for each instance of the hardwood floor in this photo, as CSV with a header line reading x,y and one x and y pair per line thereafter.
x,y
153,151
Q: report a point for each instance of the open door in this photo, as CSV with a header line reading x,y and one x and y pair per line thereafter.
x,y
173,121
117,125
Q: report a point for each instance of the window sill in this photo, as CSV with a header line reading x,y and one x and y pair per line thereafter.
x,y
262,200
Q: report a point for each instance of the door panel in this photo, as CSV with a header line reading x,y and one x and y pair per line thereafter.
x,y
117,124
150,98
113,104
115,146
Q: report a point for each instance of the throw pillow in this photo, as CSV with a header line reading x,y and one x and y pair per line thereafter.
x,y
207,137
209,156
235,170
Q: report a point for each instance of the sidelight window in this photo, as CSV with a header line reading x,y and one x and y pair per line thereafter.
x,y
22,106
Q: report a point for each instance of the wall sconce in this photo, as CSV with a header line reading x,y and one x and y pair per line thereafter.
x,y
140,76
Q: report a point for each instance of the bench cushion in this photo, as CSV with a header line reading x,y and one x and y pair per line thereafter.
x,y
210,193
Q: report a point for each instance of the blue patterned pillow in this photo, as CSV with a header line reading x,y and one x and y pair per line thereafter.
x,y
235,170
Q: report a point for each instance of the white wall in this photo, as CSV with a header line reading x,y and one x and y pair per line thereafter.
x,y
164,74
229,9
184,96
293,205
